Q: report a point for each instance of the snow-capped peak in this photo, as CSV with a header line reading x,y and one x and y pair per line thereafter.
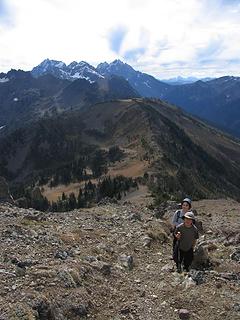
x,y
47,63
75,70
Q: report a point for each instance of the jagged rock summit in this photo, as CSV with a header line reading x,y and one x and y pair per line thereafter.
x,y
75,70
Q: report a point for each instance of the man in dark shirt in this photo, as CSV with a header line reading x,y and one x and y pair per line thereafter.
x,y
186,234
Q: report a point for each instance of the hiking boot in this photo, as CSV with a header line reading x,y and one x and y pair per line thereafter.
x,y
179,269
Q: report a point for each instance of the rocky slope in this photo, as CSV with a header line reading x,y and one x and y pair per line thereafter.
x,y
113,262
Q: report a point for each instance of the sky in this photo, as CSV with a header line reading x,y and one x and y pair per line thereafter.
x,y
164,38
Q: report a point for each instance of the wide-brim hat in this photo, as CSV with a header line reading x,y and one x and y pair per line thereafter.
x,y
189,215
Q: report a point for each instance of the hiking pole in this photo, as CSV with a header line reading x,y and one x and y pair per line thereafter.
x,y
178,255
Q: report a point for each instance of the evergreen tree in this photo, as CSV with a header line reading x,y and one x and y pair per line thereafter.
x,y
98,163
114,153
72,202
80,199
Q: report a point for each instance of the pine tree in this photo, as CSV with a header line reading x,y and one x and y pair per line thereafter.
x,y
72,202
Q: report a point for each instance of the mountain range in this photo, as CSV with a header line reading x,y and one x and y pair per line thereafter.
x,y
58,117
216,100
182,80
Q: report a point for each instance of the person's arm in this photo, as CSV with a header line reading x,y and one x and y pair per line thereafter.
x,y
194,243
174,220
196,237
177,233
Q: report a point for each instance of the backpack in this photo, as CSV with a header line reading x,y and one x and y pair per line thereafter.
x,y
178,215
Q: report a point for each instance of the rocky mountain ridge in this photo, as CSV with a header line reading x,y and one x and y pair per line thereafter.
x,y
176,152
75,70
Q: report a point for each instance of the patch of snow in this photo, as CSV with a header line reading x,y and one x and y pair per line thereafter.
x,y
147,84
82,63
60,64
63,72
86,70
15,99
76,75
89,80
2,127
2,80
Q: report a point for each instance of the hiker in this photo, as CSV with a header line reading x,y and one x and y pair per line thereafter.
x,y
186,205
186,235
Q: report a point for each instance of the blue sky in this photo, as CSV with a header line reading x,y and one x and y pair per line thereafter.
x,y
165,38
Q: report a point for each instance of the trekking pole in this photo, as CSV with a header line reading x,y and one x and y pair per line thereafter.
x,y
178,256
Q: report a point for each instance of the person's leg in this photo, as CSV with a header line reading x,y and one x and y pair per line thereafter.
x,y
174,244
180,260
176,252
188,258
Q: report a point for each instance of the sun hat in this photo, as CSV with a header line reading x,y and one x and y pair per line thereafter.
x,y
189,215
188,200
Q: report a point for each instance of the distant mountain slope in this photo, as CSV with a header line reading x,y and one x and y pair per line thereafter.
x,y
216,101
145,84
24,98
182,154
82,92
181,80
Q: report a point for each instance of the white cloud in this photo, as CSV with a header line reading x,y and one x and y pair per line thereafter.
x,y
166,38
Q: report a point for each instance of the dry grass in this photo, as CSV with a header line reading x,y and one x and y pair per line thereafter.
x,y
130,166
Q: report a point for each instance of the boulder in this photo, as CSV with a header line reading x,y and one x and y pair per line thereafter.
x,y
201,258
184,314
199,225
45,309
236,255
157,233
22,202
126,261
